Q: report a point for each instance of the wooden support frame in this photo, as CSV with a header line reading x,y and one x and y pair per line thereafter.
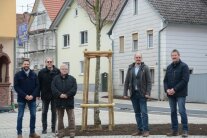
x,y
85,105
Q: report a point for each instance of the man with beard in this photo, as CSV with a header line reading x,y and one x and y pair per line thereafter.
x,y
26,85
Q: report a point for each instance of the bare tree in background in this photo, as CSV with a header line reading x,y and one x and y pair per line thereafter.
x,y
100,12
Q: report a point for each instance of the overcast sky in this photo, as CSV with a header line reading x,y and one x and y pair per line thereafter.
x,y
24,6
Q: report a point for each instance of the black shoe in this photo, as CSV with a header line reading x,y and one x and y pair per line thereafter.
x,y
53,130
185,134
44,131
173,133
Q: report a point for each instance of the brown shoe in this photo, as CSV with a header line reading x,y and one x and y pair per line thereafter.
x,y
185,134
138,133
145,134
19,136
61,133
34,135
173,133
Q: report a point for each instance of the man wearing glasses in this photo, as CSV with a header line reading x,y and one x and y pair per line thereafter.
x,y
45,77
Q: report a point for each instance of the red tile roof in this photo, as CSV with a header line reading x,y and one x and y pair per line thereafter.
x,y
52,7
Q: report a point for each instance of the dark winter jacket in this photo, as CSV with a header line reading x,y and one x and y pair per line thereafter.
x,y
177,77
26,85
143,78
66,86
45,77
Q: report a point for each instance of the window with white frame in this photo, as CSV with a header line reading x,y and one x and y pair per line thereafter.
x,y
81,67
150,38
121,44
66,40
68,65
84,37
135,41
135,7
152,73
121,76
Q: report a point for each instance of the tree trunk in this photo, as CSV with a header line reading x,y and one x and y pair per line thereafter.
x,y
97,120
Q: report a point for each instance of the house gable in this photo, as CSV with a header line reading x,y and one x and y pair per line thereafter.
x,y
75,25
40,20
43,13
129,25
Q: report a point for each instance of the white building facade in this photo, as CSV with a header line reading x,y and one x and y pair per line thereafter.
x,y
151,27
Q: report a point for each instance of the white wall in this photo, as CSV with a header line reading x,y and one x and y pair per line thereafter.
x,y
191,41
147,19
73,25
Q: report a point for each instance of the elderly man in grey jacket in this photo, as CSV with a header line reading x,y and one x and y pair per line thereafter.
x,y
138,82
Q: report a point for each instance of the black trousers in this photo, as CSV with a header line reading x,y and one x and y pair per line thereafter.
x,y
45,107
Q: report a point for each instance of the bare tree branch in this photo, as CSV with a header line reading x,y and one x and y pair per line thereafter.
x,y
91,19
107,15
91,8
89,4
102,4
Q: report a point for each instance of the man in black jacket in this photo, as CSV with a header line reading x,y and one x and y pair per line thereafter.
x,y
138,82
45,77
26,85
64,88
175,85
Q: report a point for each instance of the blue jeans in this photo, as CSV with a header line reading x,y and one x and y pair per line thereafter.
x,y
32,108
140,108
173,101
45,106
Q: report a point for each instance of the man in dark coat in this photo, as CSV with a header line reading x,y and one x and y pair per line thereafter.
x,y
138,82
45,77
26,85
64,88
176,85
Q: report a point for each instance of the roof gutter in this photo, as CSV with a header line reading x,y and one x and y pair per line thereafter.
x,y
159,57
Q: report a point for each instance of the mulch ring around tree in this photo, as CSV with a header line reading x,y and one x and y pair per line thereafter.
x,y
128,129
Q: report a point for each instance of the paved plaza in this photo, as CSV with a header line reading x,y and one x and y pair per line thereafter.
x,y
123,115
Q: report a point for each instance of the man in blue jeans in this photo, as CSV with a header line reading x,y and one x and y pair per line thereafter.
x,y
26,85
138,82
176,85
